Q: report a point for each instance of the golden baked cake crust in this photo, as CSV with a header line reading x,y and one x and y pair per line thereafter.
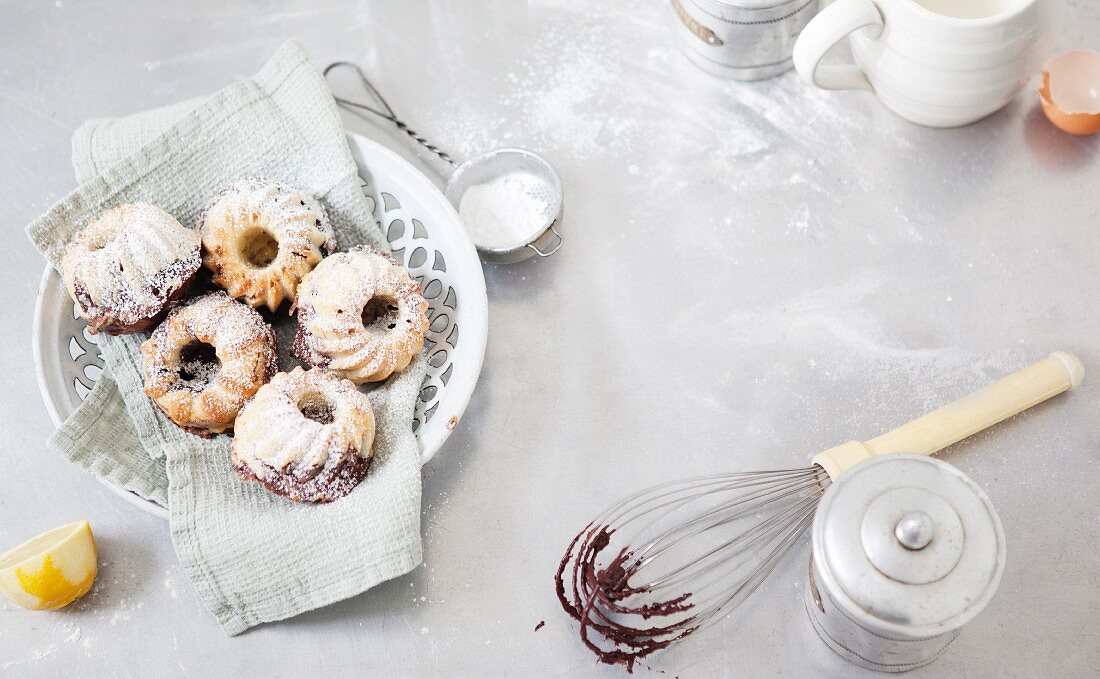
x,y
308,435
126,269
206,360
261,238
360,315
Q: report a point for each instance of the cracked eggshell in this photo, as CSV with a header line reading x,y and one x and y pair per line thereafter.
x,y
1070,93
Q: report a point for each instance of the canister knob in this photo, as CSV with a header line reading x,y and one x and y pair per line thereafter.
x,y
915,530
912,535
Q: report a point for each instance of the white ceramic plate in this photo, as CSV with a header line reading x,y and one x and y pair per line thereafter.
x,y
425,234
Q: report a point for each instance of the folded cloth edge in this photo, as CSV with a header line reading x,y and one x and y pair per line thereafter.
x,y
70,442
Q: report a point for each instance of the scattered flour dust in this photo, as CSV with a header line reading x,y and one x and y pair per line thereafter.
x,y
507,211
170,584
73,633
608,82
35,656
99,607
844,344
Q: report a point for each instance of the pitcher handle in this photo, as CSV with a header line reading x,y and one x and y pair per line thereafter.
x,y
823,32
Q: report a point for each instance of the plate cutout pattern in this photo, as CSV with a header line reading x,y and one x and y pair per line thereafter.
x,y
409,241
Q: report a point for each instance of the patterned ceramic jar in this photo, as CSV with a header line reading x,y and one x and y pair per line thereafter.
x,y
741,39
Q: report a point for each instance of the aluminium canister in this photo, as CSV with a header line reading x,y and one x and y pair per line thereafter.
x,y
906,551
741,39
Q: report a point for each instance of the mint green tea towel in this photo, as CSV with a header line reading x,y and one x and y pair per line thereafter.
x,y
254,557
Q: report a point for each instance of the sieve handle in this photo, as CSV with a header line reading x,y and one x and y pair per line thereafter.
x,y
558,242
970,414
382,109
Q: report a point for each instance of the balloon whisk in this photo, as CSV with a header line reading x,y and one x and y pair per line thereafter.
x,y
670,560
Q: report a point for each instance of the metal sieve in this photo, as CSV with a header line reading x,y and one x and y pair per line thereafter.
x,y
543,241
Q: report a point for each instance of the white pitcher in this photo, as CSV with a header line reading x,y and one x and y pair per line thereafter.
x,y
942,63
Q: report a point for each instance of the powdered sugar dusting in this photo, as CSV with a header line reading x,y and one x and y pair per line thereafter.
x,y
331,302
280,444
295,223
245,346
123,267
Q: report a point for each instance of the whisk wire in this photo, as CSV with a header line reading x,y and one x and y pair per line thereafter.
x,y
721,515
717,555
768,564
776,533
662,490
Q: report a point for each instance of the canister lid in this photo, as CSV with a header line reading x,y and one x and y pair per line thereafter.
x,y
910,543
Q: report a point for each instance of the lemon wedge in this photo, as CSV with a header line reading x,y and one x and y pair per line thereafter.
x,y
51,570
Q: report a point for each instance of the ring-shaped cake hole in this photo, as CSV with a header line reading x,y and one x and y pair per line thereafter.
x,y
258,247
198,366
380,314
315,406
97,241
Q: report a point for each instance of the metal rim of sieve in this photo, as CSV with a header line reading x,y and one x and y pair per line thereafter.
x,y
542,241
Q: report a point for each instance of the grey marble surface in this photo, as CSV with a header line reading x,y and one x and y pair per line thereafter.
x,y
752,273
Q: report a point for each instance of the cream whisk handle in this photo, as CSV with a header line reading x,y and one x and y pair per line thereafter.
x,y
970,414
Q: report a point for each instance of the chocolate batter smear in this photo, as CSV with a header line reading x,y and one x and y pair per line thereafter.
x,y
600,600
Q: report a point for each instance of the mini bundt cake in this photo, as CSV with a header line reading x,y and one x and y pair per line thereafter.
x,y
261,238
360,315
308,435
128,267
206,360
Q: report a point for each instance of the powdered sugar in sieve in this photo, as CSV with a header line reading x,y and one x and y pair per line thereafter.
x,y
508,211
